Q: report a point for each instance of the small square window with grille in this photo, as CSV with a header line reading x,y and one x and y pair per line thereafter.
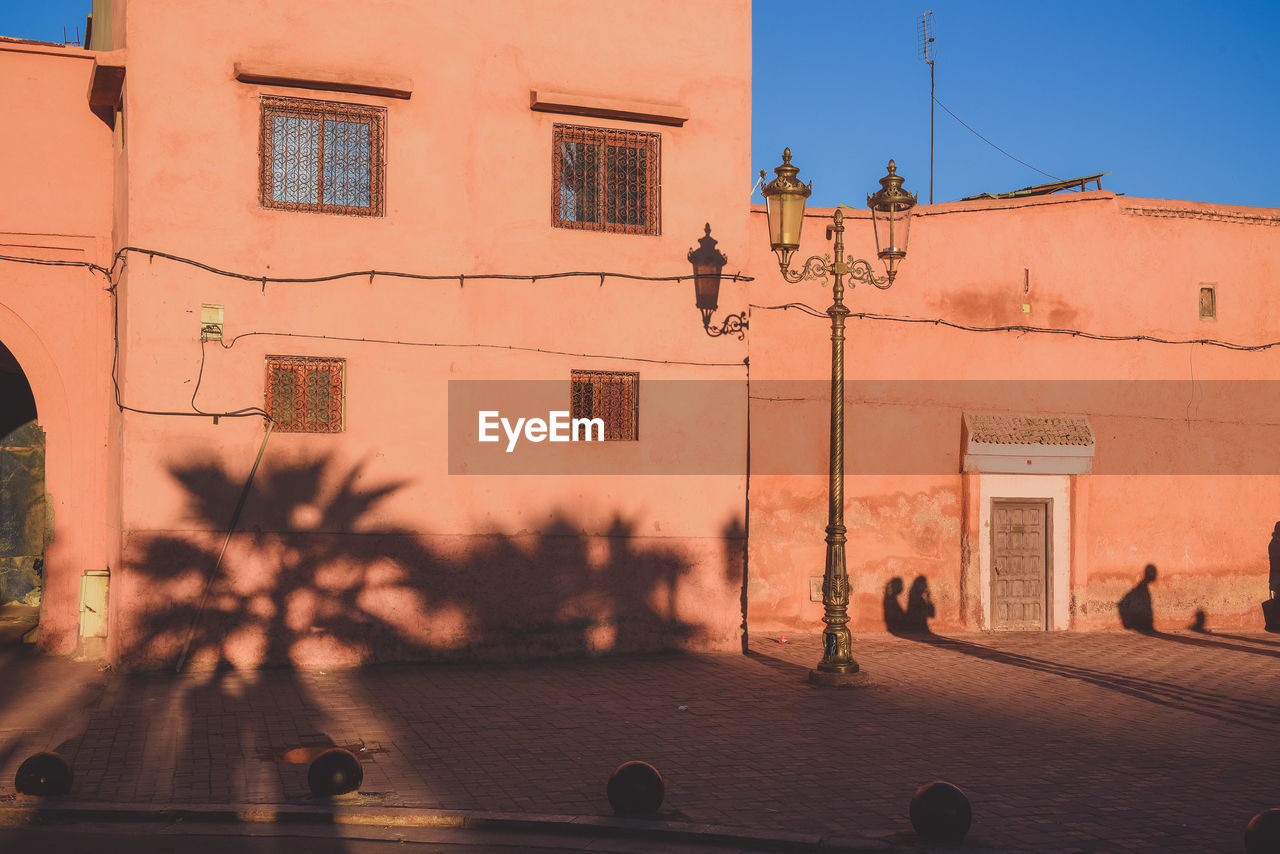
x,y
305,394
321,156
612,396
606,180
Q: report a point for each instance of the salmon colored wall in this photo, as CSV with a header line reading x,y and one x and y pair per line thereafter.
x,y
422,562
362,545
1095,262
55,319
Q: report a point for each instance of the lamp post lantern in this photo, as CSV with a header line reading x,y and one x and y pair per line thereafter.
x,y
891,217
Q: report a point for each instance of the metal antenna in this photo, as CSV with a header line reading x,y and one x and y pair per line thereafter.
x,y
927,32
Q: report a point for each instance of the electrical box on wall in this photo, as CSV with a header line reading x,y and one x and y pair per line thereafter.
x,y
211,322
94,586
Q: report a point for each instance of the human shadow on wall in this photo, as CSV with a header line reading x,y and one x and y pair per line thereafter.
x,y
1271,606
1138,614
735,568
320,575
1198,623
914,618
1135,609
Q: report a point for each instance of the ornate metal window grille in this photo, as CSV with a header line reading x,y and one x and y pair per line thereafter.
x,y
612,396
305,394
321,156
606,180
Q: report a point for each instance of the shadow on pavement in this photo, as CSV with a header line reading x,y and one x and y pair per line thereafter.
x,y
1137,614
1213,633
1208,641
1257,715
317,572
790,668
1137,611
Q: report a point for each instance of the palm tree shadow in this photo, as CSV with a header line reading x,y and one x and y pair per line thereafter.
x,y
316,575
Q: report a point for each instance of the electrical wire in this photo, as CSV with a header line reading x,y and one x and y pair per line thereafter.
x,y
350,339
247,412
120,263
1047,330
992,144
370,274
48,262
239,413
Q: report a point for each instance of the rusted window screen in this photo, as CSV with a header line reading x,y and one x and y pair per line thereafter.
x,y
305,393
612,396
606,180
320,156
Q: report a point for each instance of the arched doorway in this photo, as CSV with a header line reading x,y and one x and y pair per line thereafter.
x,y
22,501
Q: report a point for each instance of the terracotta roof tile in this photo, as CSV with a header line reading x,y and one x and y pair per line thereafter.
x,y
1007,429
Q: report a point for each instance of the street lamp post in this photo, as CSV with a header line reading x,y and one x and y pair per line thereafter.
x,y
891,209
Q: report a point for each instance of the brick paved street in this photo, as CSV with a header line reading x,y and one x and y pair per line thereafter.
x,y
1092,742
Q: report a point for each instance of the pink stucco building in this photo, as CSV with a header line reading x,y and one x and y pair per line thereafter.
x,y
1076,442
378,227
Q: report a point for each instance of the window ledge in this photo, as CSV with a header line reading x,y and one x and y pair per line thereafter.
x,y
107,79
270,74
545,101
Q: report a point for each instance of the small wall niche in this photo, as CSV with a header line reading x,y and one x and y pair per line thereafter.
x,y
1208,301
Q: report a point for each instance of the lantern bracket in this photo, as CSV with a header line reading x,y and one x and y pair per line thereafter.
x,y
734,323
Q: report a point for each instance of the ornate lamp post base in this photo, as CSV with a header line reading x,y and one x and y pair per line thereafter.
x,y
828,679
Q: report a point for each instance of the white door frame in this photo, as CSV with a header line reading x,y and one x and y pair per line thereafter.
x,y
1056,489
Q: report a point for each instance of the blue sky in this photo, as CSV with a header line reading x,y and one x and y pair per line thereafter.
x,y
1176,100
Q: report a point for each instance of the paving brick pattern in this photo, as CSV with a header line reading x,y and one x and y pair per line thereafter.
x,y
1064,742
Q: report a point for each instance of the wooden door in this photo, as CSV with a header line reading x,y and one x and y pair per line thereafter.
x,y
1019,565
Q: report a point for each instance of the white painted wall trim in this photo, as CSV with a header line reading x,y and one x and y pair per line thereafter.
x,y
1057,489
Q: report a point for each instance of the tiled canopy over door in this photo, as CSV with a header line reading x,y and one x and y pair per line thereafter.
x,y
1034,443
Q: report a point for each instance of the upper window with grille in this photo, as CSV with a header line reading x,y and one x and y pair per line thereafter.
x,y
606,180
305,394
321,156
611,396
